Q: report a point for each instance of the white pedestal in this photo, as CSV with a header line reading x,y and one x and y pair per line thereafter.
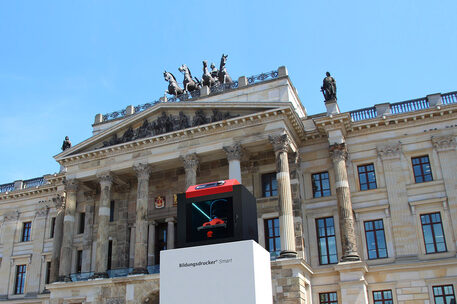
x,y
228,273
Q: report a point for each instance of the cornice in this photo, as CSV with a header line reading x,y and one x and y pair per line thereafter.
x,y
29,192
191,133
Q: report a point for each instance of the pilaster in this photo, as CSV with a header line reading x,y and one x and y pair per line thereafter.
x,y
8,231
353,285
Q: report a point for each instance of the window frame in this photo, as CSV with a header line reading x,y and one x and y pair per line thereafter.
x,y
421,166
20,277
366,173
443,293
383,300
431,224
268,178
275,252
326,237
323,192
26,235
376,238
328,294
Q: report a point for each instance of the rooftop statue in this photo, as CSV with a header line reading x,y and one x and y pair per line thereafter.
x,y
66,144
190,83
214,72
208,79
173,87
329,88
224,77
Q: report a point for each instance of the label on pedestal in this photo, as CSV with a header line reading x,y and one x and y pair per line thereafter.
x,y
236,272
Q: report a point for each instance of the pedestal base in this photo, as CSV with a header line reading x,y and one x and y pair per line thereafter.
x,y
332,107
236,272
287,254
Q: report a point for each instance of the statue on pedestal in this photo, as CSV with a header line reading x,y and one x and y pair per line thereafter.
x,y
66,144
329,88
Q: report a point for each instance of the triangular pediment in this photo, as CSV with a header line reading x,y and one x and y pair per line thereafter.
x,y
165,119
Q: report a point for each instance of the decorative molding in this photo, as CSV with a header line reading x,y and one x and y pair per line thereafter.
x,y
41,211
105,178
143,171
444,143
234,152
59,201
11,215
190,161
389,151
281,143
338,152
71,185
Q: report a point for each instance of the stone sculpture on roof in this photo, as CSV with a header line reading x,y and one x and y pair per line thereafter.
x,y
329,88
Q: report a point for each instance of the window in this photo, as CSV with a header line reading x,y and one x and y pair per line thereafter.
x,y
432,229
326,241
328,298
48,273
444,294
422,170
27,226
161,243
20,279
367,177
269,185
376,241
82,218
110,254
111,211
321,184
79,260
53,227
382,297
272,238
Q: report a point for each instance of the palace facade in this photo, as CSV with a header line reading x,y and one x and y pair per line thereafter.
x,y
355,207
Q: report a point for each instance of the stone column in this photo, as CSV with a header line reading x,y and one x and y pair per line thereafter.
x,y
88,232
446,147
71,187
8,231
281,144
234,154
170,233
338,154
152,243
38,234
59,203
101,252
190,166
140,261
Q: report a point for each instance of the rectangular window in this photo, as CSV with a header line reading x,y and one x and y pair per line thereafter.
x,y
82,219
328,298
20,279
432,228
422,169
272,238
26,227
48,273
110,253
326,241
444,294
376,241
382,297
79,260
111,211
367,177
269,185
161,243
53,227
321,184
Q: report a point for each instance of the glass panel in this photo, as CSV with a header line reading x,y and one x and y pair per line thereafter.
x,y
369,225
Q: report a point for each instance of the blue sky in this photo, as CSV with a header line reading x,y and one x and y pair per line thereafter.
x,y
62,62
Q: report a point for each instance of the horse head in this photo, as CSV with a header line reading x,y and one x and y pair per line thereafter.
x,y
183,69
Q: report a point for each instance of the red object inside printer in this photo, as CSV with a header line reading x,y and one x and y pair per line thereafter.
x,y
211,188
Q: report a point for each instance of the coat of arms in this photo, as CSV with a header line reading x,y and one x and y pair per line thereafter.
x,y
160,201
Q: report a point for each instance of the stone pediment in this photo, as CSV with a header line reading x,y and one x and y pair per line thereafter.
x,y
166,119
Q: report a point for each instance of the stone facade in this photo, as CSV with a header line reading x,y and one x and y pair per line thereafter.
x,y
98,227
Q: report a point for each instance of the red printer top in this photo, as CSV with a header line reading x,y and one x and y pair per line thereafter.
x,y
211,188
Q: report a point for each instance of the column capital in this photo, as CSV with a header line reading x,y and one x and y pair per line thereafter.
x,y
389,151
105,178
142,171
71,185
281,143
59,201
444,143
170,219
190,161
338,152
234,152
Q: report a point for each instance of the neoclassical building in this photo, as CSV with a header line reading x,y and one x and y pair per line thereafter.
x,y
355,207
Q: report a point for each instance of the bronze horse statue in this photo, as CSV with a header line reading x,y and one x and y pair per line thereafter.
x,y
224,77
207,78
173,87
190,84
